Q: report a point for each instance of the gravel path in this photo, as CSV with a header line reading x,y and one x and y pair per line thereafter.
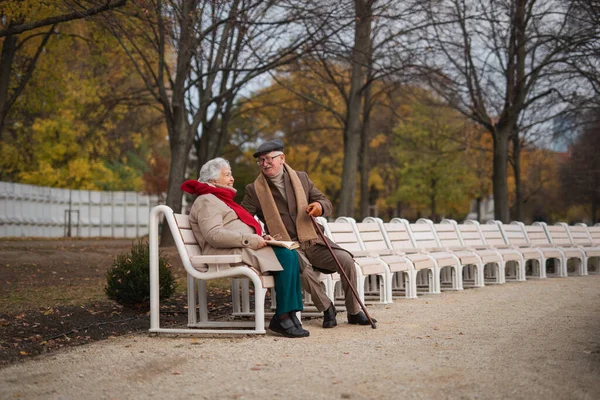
x,y
538,339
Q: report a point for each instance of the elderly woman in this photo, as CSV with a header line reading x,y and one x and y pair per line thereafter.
x,y
221,226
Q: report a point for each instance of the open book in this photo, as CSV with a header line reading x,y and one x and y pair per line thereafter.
x,y
281,243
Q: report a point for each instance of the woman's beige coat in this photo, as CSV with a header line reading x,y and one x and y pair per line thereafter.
x,y
218,230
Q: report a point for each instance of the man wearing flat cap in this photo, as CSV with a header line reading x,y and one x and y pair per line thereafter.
x,y
284,200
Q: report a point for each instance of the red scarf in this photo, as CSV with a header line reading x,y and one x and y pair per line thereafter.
x,y
226,196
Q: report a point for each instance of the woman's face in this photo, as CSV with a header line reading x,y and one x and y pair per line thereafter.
x,y
226,178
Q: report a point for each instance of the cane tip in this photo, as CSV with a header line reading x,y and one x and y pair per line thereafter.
x,y
374,326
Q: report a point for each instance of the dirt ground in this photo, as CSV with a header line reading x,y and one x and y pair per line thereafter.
x,y
538,339
51,296
60,338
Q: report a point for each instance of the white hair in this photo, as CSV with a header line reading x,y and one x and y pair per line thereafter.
x,y
211,170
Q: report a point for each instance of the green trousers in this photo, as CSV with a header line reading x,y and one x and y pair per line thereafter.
x,y
288,289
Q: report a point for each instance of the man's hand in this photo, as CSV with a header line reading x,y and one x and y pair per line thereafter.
x,y
314,209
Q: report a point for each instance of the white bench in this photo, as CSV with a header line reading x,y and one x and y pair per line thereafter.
x,y
201,268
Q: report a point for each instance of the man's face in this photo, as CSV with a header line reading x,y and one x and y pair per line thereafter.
x,y
272,163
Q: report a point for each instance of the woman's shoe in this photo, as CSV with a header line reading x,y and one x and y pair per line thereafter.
x,y
286,327
297,322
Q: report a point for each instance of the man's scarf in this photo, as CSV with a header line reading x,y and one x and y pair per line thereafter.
x,y
307,236
226,195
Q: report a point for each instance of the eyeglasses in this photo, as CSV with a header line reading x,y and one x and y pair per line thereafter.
x,y
266,159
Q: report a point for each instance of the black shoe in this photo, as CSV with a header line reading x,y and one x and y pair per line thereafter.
x,y
296,322
359,319
329,317
286,327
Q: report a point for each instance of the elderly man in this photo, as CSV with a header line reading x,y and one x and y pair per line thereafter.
x,y
284,200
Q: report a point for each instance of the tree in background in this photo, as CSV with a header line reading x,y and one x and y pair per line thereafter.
x,y
434,179
493,60
194,56
82,120
312,133
21,51
542,198
24,15
580,176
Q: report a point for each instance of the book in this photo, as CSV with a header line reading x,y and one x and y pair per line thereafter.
x,y
281,243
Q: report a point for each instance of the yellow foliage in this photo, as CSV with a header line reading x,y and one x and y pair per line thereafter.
x,y
74,125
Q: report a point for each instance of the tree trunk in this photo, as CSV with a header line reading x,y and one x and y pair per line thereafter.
x,y
479,208
516,141
500,175
364,155
6,60
180,144
181,132
362,32
433,202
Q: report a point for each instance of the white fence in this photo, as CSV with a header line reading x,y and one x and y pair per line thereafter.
x,y
36,211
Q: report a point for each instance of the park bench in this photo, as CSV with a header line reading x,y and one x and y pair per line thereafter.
x,y
558,237
200,269
424,267
473,260
343,234
516,235
582,236
403,272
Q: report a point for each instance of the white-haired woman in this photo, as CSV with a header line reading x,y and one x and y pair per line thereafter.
x,y
221,226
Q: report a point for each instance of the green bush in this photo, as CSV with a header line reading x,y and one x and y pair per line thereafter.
x,y
128,279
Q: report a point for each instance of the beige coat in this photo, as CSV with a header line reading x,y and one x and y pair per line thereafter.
x,y
218,230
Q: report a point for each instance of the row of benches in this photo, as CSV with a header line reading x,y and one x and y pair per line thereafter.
x,y
393,259
449,255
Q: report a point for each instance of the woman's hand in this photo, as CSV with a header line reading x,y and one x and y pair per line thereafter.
x,y
261,243
268,237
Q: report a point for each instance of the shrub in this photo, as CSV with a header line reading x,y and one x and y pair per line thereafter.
x,y
128,279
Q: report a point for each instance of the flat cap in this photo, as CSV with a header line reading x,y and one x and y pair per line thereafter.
x,y
269,146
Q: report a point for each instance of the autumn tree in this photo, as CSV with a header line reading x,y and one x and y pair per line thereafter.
x,y
580,176
372,47
195,55
434,178
83,120
492,61
313,137
26,26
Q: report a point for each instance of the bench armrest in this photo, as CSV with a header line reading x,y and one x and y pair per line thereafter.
x,y
455,248
382,252
216,259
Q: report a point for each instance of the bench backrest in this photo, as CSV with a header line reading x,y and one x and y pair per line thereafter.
x,y
558,235
537,235
189,240
515,234
595,234
471,235
424,235
399,235
448,235
342,233
580,236
371,236
492,234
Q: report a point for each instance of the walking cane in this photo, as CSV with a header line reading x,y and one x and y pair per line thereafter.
x,y
342,272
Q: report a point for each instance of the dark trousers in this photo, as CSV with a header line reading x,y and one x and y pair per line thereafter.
x,y
321,259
